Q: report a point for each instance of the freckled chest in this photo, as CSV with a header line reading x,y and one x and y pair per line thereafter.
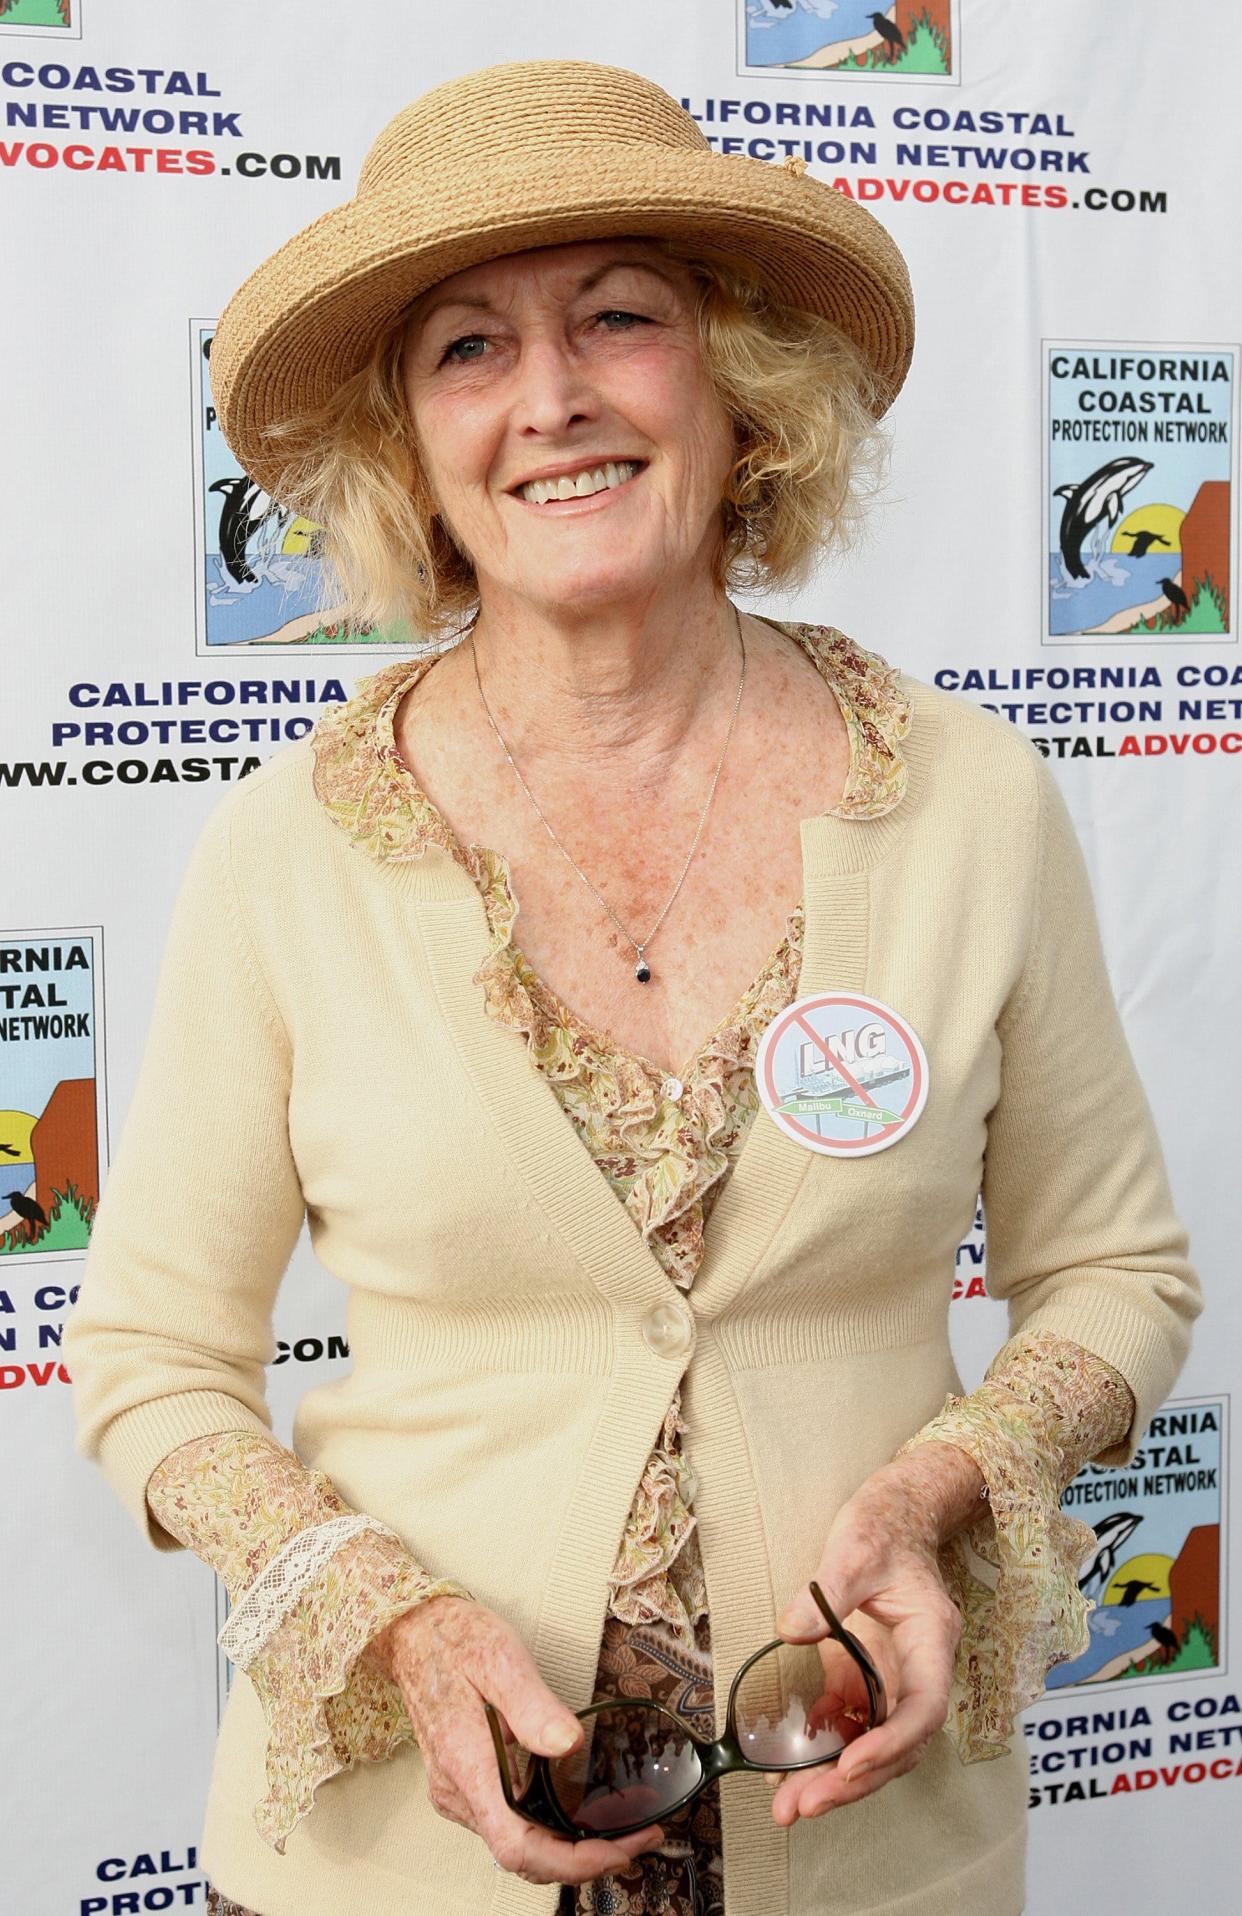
x,y
788,759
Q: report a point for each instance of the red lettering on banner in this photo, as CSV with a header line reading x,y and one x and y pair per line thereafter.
x,y
13,1375
1220,1768
1155,744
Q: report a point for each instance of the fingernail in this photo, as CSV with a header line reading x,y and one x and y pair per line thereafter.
x,y
559,1738
856,1769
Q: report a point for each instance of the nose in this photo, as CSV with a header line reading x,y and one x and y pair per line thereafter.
x,y
551,388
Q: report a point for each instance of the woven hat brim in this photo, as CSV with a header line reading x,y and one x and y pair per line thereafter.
x,y
305,320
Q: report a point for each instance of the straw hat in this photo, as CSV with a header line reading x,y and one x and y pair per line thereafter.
x,y
535,153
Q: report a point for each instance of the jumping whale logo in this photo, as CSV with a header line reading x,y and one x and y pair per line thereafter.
x,y
1095,501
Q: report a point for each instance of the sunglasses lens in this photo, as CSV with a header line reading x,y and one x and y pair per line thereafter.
x,y
633,1764
790,1705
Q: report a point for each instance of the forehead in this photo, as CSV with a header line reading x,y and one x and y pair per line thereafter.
x,y
555,268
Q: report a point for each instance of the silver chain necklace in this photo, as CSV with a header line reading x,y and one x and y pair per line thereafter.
x,y
642,970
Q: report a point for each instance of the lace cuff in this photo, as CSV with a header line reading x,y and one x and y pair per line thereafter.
x,y
1037,1418
313,1583
282,1581
327,1706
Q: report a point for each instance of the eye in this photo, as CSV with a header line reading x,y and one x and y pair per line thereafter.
x,y
450,350
466,339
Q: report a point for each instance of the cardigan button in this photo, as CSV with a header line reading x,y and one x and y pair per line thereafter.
x,y
667,1331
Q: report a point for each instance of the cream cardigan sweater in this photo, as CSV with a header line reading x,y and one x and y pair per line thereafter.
x,y
317,1044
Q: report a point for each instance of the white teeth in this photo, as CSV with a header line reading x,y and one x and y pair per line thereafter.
x,y
587,482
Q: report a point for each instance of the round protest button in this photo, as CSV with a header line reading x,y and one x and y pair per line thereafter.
x,y
842,1074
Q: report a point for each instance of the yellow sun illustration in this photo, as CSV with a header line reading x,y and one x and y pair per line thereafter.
x,y
1165,521
1148,1567
299,534
15,1129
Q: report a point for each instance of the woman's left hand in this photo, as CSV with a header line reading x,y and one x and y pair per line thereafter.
x,y
880,1573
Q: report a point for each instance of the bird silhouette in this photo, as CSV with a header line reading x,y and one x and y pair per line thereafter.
x,y
1175,596
1167,1641
1142,541
1130,1591
892,36
26,1209
787,4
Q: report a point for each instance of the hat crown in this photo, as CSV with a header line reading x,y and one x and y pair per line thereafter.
x,y
525,107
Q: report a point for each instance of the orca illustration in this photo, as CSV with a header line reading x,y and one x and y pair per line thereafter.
x,y
1091,501
1111,1536
246,509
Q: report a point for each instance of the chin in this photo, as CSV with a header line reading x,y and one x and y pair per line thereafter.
x,y
584,588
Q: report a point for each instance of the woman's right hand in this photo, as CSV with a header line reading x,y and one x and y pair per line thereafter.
x,y
450,1654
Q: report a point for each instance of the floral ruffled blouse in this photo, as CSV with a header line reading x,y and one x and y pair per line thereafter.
x,y
248,1505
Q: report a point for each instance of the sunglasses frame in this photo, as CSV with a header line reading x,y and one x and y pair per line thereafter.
x,y
538,1802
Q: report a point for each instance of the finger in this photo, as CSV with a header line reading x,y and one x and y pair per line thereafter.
x,y
542,1857
846,1575
845,1586
529,1850
813,1796
889,1750
507,1676
926,1648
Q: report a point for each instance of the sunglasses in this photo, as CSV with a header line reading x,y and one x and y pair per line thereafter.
x,y
639,1762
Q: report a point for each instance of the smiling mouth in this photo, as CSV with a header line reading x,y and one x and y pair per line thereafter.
x,y
617,476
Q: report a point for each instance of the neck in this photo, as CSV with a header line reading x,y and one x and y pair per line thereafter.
x,y
619,696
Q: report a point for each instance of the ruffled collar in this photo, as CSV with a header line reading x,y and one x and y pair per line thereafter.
x,y
361,780
663,1144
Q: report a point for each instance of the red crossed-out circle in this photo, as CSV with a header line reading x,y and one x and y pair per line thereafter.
x,y
796,1014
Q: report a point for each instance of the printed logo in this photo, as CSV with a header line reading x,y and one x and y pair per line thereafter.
x,y
842,1074
260,582
909,40
51,1094
1155,1573
1139,449
42,17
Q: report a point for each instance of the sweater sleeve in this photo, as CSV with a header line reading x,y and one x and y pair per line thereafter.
x,y
202,1205
312,1583
1083,1239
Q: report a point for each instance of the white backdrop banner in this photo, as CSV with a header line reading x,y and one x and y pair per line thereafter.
x,y
1058,543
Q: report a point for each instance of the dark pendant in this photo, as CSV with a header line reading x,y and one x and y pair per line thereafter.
x,y
642,971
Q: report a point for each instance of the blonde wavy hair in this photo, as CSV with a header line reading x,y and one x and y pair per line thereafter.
x,y
810,454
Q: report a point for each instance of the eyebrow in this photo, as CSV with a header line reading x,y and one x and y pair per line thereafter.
x,y
479,302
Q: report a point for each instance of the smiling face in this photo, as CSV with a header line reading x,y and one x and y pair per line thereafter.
x,y
558,361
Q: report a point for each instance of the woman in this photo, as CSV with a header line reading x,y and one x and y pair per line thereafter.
x,y
635,1414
